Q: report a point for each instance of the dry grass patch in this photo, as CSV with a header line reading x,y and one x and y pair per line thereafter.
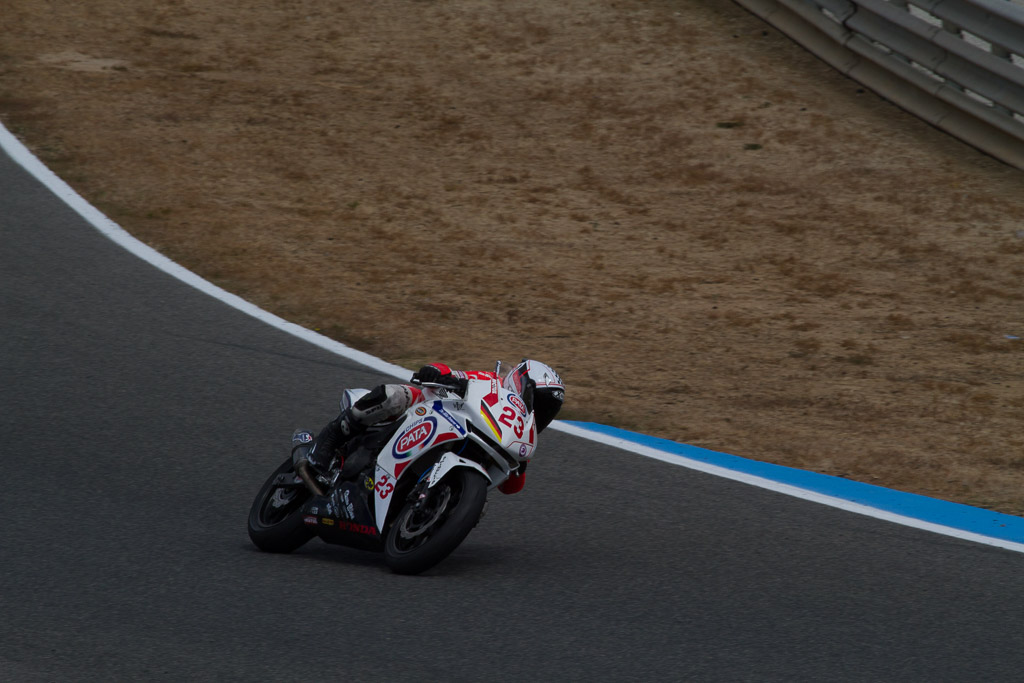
x,y
584,177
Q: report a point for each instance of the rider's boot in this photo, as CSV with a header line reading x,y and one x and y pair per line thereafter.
x,y
335,434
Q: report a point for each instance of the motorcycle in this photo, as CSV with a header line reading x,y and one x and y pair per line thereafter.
x,y
412,489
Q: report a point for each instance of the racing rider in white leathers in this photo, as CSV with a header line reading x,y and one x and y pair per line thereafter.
x,y
387,401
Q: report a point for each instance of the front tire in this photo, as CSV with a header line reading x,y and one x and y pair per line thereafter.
x,y
275,518
423,535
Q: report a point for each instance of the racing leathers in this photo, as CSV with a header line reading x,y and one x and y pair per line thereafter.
x,y
384,403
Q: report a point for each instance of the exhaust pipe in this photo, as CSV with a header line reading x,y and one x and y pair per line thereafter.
x,y
302,469
301,441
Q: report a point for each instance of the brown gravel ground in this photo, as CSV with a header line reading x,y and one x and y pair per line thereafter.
x,y
715,237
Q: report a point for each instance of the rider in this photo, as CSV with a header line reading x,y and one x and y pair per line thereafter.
x,y
387,401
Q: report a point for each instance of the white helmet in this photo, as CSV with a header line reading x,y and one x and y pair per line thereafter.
x,y
540,387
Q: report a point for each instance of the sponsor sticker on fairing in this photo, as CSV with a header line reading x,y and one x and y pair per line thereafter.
x,y
363,529
518,403
384,487
347,507
439,409
492,398
414,436
309,520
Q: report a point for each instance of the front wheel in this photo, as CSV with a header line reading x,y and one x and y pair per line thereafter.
x,y
275,519
426,531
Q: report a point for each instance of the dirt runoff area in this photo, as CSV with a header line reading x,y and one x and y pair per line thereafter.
x,y
715,237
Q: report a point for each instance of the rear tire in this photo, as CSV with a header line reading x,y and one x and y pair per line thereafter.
x,y
275,518
420,538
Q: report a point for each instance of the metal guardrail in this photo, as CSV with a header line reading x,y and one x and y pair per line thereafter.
x,y
957,64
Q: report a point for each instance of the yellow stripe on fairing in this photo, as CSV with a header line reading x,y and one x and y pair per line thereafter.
x,y
491,423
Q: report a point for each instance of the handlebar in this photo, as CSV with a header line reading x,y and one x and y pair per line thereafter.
x,y
458,385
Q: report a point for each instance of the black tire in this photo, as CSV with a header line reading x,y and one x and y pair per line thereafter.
x,y
419,539
276,527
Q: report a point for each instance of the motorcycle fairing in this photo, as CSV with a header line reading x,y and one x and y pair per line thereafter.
x,y
383,488
438,407
447,463
343,516
511,423
423,428
442,418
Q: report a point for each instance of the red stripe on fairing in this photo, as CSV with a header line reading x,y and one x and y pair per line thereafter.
x,y
401,466
492,398
447,436
479,374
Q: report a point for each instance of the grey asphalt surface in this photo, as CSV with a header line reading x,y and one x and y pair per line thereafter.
x,y
139,418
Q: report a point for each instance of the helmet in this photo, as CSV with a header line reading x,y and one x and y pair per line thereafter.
x,y
540,387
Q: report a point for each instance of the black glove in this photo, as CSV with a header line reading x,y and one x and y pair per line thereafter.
x,y
429,373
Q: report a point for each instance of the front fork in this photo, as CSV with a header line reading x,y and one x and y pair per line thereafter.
x,y
421,492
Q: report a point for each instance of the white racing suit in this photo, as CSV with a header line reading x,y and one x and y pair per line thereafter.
x,y
384,403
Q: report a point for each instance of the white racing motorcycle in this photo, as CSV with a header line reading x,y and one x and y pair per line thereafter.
x,y
413,488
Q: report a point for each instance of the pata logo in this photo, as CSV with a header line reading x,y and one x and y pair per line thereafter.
x,y
518,403
416,436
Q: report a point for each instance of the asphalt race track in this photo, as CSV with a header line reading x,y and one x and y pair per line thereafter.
x,y
139,418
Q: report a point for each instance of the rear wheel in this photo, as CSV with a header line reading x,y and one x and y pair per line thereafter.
x,y
275,518
426,531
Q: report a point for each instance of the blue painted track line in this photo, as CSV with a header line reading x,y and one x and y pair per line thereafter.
x,y
942,517
928,510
